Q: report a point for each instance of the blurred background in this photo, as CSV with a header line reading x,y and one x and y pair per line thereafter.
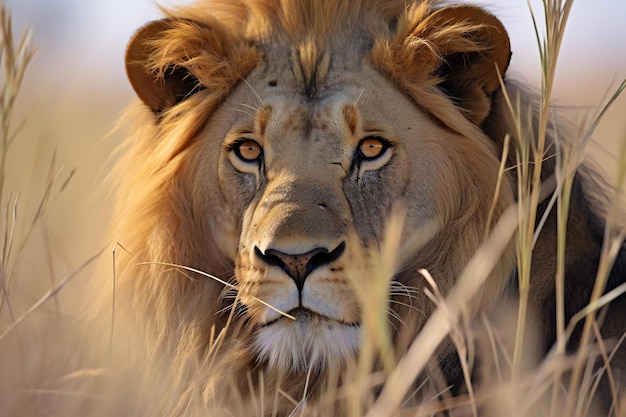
x,y
75,89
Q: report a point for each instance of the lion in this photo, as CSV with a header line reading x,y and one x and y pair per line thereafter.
x,y
274,141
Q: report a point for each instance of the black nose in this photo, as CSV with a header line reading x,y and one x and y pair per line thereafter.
x,y
299,266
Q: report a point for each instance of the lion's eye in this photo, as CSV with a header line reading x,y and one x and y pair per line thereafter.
x,y
372,147
248,150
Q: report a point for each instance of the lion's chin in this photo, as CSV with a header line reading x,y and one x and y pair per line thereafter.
x,y
310,342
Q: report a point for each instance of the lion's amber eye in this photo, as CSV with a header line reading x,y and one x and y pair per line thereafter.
x,y
248,150
372,147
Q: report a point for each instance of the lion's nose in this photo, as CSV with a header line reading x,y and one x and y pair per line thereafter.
x,y
299,266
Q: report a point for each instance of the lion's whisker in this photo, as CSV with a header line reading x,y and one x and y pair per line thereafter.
x,y
412,294
359,97
253,90
254,109
394,314
397,288
409,306
229,296
245,112
230,306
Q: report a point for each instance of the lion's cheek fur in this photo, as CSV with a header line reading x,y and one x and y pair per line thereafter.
x,y
452,221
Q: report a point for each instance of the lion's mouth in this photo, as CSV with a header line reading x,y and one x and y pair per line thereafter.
x,y
305,316
311,341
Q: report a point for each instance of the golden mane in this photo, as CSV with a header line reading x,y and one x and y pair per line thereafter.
x,y
217,53
296,21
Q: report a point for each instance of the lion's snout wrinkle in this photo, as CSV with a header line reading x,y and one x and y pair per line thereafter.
x,y
298,266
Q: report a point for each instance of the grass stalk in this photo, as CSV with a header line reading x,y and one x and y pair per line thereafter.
x,y
556,13
48,295
441,321
14,59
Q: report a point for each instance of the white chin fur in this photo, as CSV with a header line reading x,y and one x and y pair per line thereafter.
x,y
309,342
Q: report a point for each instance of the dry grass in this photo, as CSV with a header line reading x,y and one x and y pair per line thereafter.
x,y
33,321
560,384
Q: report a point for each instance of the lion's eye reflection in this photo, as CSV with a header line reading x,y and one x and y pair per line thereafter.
x,y
248,150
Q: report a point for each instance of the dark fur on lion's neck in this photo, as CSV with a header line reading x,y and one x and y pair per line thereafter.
x,y
585,231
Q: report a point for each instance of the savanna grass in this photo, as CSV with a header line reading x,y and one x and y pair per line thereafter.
x,y
14,58
31,316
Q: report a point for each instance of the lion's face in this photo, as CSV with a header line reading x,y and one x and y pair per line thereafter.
x,y
310,172
300,178
298,169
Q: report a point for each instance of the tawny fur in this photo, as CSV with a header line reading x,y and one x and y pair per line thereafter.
x,y
188,66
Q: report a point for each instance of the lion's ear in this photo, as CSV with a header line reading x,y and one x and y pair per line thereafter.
x,y
169,60
454,50
477,45
158,86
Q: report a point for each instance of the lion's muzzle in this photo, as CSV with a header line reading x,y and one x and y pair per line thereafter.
x,y
299,266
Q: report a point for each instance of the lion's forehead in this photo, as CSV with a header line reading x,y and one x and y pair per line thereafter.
x,y
304,132
306,118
